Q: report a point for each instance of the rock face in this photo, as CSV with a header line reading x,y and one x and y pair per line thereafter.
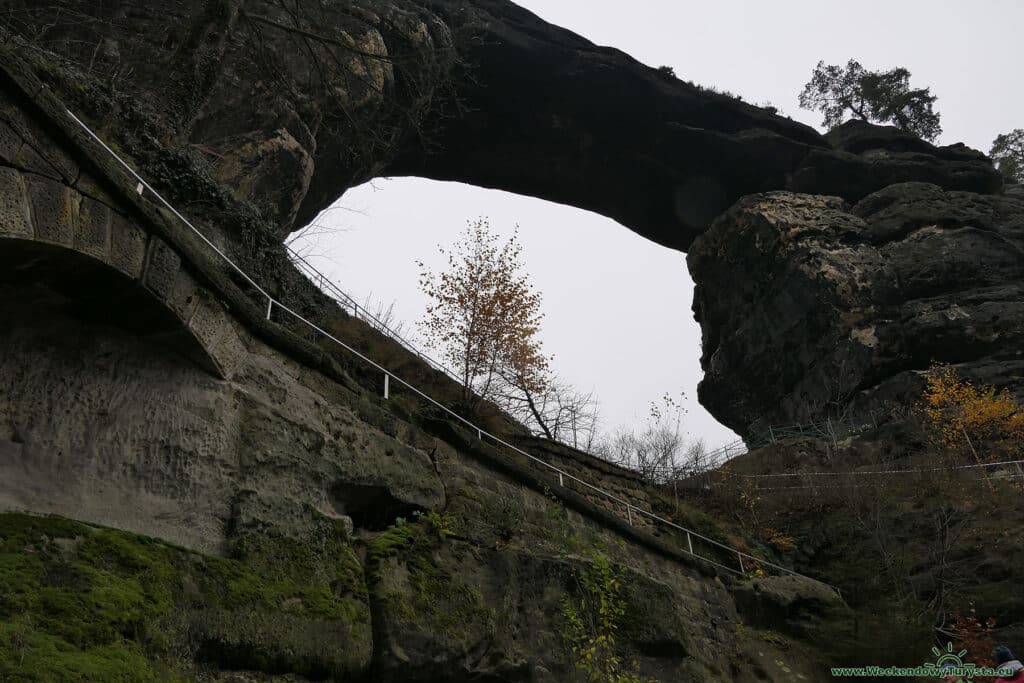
x,y
294,522
327,532
550,114
865,158
279,482
485,93
811,306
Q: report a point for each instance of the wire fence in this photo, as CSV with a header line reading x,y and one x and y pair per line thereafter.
x,y
701,464
272,305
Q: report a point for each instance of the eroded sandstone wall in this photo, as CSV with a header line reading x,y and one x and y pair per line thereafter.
x,y
144,388
814,308
108,427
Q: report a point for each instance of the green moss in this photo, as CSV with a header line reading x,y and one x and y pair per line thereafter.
x,y
81,603
434,598
65,617
321,576
29,653
393,542
777,639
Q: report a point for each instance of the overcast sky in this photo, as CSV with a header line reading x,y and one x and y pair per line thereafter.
x,y
617,306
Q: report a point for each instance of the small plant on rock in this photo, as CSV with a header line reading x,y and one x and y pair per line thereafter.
x,y
592,623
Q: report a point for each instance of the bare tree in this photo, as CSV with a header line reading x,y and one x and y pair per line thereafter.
x,y
925,581
304,243
558,412
382,317
656,450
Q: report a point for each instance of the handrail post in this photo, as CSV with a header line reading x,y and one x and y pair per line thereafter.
x,y
689,542
742,570
270,306
561,481
629,513
387,379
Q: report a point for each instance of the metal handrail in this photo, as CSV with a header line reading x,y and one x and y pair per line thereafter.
x,y
562,474
732,449
327,286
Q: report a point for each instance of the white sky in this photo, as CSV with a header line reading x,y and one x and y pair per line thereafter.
x,y
617,306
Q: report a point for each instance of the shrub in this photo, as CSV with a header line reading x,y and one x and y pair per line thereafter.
x,y
960,413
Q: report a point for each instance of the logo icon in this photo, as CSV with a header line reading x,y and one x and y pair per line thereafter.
x,y
949,660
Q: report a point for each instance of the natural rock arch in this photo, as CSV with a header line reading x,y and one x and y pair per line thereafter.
x,y
485,93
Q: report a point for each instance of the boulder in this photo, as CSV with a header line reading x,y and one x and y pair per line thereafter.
x,y
809,306
791,604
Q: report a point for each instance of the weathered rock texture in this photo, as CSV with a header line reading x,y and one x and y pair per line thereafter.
x,y
865,158
290,108
810,306
331,533
320,530
278,481
255,117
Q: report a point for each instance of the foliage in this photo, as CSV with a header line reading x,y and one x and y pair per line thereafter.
x,y
437,525
597,609
484,315
562,531
780,541
960,413
881,96
667,70
592,623
1008,155
975,636
756,513
507,518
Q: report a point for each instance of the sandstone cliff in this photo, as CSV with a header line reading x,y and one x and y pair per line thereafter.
x,y
295,523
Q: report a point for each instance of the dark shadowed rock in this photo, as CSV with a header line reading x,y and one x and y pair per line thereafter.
x,y
790,604
866,158
550,114
859,137
290,109
809,305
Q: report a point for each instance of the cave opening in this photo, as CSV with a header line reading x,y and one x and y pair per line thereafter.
x,y
371,507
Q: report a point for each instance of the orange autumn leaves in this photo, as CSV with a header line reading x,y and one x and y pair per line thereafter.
x,y
962,414
484,315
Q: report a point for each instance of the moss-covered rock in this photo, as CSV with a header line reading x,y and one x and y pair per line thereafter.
x,y
79,603
429,610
